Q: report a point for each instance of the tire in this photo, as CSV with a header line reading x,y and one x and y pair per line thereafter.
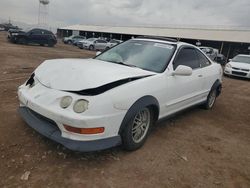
x,y
91,47
22,41
137,129
211,99
51,43
70,42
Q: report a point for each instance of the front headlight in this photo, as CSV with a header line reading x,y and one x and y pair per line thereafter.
x,y
228,66
80,106
14,34
66,102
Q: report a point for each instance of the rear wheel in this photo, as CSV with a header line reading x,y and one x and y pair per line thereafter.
x,y
51,43
69,42
136,131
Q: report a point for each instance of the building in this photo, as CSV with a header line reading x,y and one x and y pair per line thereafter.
x,y
229,41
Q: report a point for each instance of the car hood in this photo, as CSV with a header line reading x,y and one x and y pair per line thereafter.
x,y
240,65
82,74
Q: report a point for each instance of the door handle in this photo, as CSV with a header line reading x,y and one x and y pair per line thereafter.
x,y
200,76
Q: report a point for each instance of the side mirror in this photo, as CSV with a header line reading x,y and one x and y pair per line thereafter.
x,y
98,53
183,70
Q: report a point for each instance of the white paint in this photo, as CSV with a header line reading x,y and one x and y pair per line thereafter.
x,y
108,109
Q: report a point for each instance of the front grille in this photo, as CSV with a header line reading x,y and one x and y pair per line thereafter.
x,y
247,70
239,73
235,68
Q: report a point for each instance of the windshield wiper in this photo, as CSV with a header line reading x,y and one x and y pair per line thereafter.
x,y
122,63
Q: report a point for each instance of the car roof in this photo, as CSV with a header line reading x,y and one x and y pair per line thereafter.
x,y
165,40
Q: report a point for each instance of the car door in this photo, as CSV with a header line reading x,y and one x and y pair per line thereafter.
x,y
183,91
207,73
101,44
34,36
44,37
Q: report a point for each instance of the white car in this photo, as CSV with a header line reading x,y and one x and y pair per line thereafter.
x,y
238,66
212,53
113,42
116,97
93,44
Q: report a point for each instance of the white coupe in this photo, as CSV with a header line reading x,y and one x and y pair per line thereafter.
x,y
116,97
239,66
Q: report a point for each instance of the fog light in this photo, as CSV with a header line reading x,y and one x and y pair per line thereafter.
x,y
96,130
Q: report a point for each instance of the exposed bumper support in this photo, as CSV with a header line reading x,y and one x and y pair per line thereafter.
x,y
49,129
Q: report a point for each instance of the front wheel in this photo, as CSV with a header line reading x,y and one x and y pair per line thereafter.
x,y
91,47
22,41
136,131
211,99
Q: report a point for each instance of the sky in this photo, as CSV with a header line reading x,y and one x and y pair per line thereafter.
x,y
160,13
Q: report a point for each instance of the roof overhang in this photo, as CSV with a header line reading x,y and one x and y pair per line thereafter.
x,y
227,35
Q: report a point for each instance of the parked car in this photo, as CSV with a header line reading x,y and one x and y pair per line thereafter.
x,y
71,39
221,59
116,97
93,44
210,52
2,28
8,26
80,43
238,66
112,43
77,39
34,36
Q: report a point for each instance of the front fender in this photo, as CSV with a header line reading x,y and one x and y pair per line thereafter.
x,y
139,104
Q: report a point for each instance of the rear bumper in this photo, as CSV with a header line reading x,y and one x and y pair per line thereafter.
x,y
49,129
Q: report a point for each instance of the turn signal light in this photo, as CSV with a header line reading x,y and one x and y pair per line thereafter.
x,y
96,130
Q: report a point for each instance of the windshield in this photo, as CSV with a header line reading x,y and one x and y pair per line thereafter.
x,y
241,59
147,55
91,39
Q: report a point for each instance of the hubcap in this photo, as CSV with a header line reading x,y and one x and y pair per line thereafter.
x,y
140,125
212,98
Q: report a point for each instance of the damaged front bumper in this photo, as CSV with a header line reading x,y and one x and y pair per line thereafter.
x,y
49,129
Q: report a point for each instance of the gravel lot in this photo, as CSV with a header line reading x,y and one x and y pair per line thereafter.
x,y
196,148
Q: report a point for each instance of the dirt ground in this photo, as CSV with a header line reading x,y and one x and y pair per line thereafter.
x,y
197,148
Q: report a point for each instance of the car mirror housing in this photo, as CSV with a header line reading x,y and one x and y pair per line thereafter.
x,y
98,53
183,70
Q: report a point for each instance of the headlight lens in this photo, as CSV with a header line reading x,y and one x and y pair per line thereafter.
x,y
80,106
229,66
66,102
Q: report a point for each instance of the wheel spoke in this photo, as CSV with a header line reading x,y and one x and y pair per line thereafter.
x,y
140,125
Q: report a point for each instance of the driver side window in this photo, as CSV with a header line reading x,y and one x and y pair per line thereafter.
x,y
187,57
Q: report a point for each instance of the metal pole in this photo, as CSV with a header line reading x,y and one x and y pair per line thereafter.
x,y
228,53
221,48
